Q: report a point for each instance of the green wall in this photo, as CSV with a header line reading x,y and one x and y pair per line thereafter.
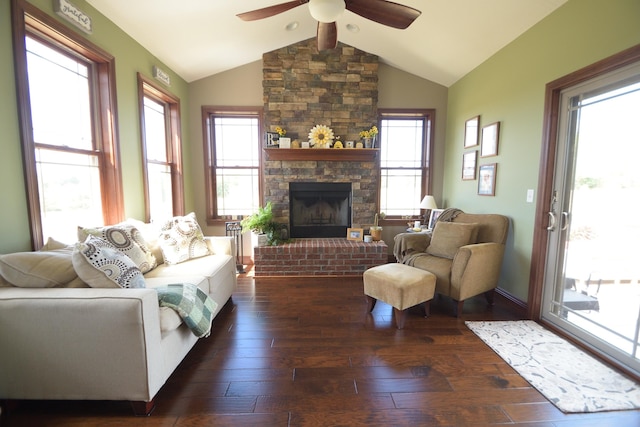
x,y
131,58
510,88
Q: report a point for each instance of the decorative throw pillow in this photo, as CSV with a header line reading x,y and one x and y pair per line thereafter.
x,y
181,239
101,265
54,245
43,269
127,239
447,237
151,234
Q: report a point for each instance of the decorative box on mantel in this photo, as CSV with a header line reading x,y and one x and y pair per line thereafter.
x,y
325,154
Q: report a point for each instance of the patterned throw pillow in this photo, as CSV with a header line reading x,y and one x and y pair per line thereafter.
x,y
127,239
181,239
101,265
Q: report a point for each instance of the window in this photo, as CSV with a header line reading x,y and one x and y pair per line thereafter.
x,y
232,150
405,154
67,110
161,151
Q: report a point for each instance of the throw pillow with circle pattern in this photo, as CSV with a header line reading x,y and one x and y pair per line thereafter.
x,y
127,239
181,239
101,265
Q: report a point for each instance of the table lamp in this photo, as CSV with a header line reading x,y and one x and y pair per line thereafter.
x,y
428,203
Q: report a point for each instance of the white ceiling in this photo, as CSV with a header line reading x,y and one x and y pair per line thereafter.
x,y
199,38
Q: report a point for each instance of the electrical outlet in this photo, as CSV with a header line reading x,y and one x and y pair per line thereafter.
x,y
530,195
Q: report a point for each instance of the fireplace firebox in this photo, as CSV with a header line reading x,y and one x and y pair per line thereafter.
x,y
319,209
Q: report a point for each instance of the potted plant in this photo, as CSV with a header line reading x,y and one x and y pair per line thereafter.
x,y
375,229
261,223
369,136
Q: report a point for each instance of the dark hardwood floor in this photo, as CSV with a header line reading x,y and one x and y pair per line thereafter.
x,y
304,352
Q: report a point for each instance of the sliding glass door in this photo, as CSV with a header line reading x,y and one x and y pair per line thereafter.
x,y
591,287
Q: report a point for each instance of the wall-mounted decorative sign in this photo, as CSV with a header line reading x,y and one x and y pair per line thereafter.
x,y
161,75
71,13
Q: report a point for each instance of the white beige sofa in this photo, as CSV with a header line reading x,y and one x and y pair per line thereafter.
x,y
103,343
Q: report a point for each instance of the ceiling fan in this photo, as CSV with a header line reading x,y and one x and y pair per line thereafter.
x,y
326,12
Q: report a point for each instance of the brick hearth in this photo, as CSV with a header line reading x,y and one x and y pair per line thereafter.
x,y
319,257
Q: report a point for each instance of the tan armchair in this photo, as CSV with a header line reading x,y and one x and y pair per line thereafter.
x,y
465,254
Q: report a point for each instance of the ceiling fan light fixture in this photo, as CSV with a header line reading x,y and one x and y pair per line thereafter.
x,y
326,10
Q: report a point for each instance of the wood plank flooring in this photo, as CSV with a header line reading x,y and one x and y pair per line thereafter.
x,y
304,352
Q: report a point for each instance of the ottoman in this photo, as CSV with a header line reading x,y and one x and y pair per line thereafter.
x,y
400,286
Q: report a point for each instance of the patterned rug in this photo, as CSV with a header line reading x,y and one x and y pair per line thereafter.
x,y
570,378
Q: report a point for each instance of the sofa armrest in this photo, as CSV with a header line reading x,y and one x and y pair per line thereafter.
x,y
406,244
475,269
99,344
221,245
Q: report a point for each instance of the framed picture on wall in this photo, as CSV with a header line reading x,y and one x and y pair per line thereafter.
x,y
469,165
490,137
487,179
471,132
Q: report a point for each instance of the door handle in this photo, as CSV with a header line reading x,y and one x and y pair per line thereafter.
x,y
552,221
565,221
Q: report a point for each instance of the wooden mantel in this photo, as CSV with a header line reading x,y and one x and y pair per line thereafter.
x,y
323,154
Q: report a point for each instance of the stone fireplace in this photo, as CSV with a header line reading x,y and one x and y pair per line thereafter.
x,y
338,88
319,209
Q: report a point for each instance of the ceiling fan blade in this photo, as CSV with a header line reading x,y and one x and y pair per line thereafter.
x,y
327,35
384,12
266,12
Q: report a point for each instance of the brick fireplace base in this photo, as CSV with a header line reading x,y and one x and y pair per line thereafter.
x,y
319,257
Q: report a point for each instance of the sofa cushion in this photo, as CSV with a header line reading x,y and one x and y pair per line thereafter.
x,y
449,236
101,265
127,239
181,239
44,269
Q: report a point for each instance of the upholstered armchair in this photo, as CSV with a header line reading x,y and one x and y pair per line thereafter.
x,y
464,251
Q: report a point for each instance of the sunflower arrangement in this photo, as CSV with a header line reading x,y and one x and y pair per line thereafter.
x,y
371,133
321,136
281,131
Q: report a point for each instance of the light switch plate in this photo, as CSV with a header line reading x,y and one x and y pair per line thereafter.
x,y
530,195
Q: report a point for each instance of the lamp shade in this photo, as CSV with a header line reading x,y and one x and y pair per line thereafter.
x,y
326,10
428,203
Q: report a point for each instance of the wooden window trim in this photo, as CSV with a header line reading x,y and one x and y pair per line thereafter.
x,y
209,155
429,115
147,87
27,19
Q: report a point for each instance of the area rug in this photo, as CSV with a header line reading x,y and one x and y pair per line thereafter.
x,y
571,379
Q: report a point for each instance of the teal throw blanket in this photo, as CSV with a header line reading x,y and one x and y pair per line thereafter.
x,y
192,304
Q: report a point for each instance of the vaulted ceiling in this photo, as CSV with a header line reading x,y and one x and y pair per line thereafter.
x,y
200,38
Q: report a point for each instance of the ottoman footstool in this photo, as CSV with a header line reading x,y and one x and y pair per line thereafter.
x,y
400,286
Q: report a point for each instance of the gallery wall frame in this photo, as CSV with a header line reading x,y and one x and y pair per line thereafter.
x,y
490,140
469,161
471,132
487,179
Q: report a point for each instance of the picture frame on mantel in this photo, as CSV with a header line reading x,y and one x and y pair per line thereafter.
x,y
355,234
471,132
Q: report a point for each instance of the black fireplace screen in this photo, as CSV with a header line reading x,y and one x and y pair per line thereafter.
x,y
319,209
